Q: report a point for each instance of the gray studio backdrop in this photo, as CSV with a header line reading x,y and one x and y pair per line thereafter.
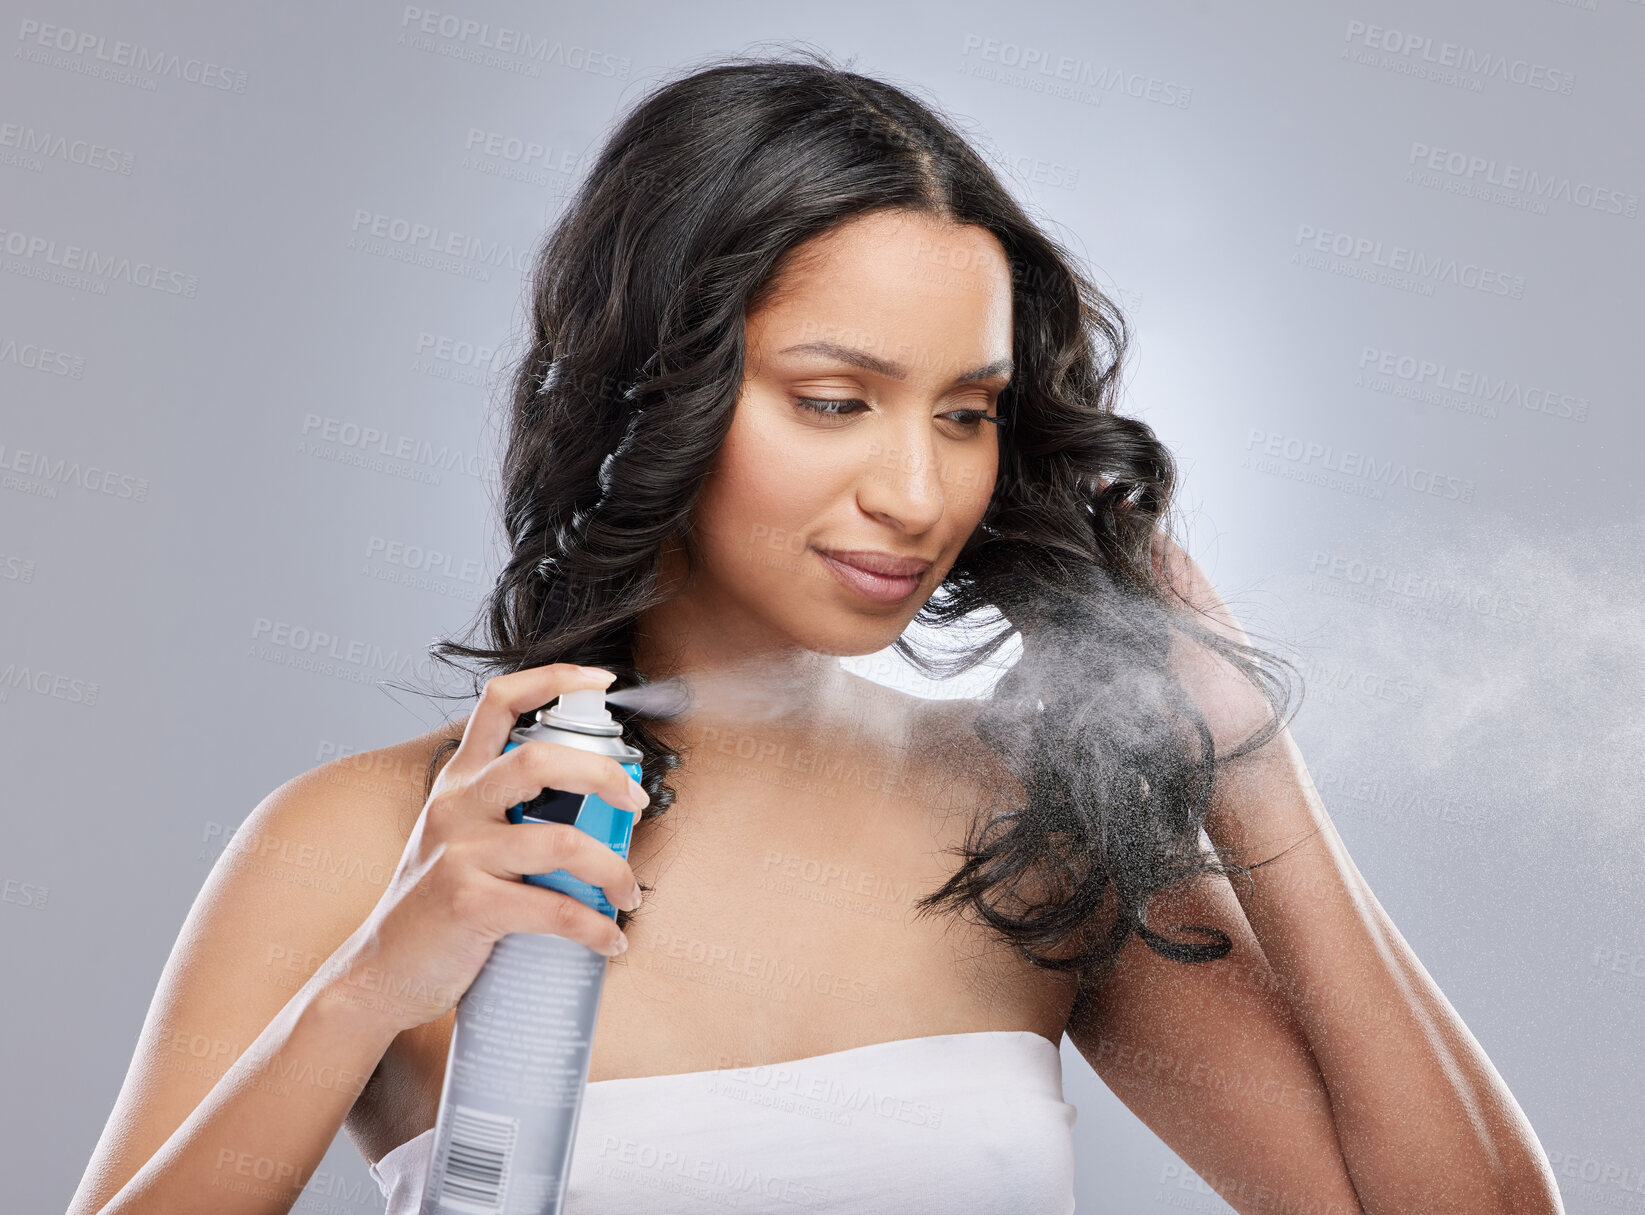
x,y
262,268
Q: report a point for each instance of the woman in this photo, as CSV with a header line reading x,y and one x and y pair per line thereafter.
x,y
802,371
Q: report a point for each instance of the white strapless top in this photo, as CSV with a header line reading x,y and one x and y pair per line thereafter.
x,y
971,1122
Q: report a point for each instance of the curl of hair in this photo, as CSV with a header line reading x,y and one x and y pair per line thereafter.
x,y
625,393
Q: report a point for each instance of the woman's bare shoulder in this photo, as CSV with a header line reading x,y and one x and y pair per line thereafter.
x,y
336,831
392,781
297,877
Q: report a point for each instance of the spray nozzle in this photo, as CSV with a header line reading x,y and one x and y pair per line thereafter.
x,y
586,707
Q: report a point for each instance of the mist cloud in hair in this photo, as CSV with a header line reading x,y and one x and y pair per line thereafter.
x,y
1114,667
1463,679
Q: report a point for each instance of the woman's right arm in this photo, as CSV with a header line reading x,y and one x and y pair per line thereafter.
x,y
282,993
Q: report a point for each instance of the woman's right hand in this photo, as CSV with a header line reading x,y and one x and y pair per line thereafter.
x,y
458,887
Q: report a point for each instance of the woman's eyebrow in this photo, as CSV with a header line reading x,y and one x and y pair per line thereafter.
x,y
889,369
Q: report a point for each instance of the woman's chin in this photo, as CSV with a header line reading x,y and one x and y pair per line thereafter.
x,y
851,638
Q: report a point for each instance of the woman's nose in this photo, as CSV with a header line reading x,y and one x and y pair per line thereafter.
x,y
902,484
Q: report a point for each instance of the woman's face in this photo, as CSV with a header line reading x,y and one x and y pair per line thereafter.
x,y
857,465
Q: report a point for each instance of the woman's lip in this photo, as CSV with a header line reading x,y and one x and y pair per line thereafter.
x,y
880,588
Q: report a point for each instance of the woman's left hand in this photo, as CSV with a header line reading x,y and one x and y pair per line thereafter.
x,y
1232,706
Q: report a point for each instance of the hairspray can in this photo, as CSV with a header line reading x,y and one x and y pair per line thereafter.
x,y
525,1028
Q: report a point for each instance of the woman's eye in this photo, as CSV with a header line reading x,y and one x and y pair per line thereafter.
x,y
828,407
971,419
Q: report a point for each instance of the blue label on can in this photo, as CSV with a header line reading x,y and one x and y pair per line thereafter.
x,y
611,825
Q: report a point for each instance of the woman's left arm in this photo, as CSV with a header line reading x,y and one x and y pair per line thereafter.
x,y
1420,1112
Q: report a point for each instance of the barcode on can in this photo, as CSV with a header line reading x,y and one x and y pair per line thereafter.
x,y
476,1174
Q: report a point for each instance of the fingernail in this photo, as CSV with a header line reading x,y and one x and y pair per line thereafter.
x,y
597,672
637,794
634,897
622,943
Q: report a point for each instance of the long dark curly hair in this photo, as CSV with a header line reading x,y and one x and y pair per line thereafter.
x,y
625,392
